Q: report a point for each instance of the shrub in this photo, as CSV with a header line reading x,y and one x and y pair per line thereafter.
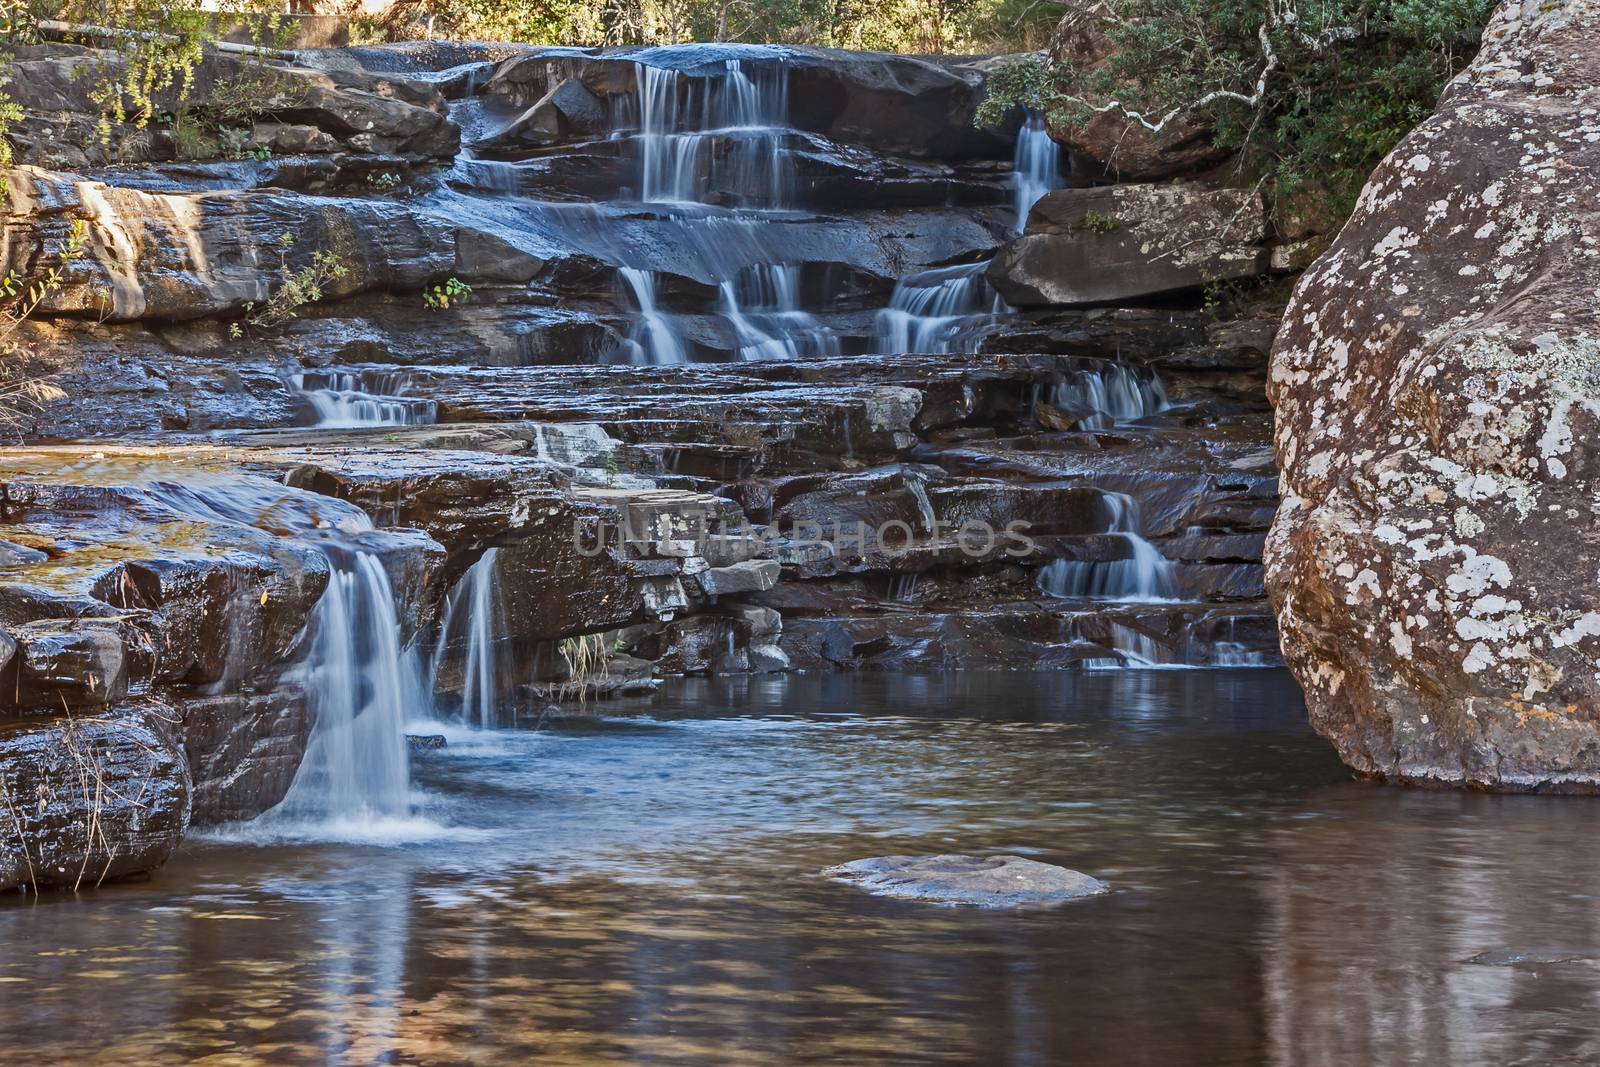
x,y
452,292
1303,90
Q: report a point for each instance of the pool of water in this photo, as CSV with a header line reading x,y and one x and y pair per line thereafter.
x,y
641,886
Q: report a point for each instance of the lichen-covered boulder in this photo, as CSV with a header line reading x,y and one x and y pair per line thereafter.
x,y
1437,383
1084,247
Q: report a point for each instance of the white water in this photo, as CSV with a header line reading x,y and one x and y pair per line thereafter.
x,y
1035,167
474,616
938,311
1143,575
341,399
363,689
655,341
725,132
1111,392
763,306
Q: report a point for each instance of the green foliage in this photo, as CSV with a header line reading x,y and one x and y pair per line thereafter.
x,y
297,287
1099,222
1334,104
453,292
384,182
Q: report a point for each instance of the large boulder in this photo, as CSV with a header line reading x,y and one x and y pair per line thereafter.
x,y
1084,247
88,799
1437,383
1118,145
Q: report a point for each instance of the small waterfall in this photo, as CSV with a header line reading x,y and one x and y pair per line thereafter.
x,y
655,341
363,687
1143,575
342,400
763,306
473,613
1135,648
1035,167
1112,393
940,310
724,132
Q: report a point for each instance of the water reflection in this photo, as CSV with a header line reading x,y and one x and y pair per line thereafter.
x,y
642,887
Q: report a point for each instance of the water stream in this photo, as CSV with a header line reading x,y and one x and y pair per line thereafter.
x,y
641,886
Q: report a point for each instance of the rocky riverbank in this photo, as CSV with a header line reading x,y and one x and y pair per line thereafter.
x,y
620,365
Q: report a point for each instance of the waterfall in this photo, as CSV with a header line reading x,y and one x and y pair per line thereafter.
x,y
1035,167
655,340
1144,574
1111,392
473,611
941,310
763,305
341,399
725,131
362,687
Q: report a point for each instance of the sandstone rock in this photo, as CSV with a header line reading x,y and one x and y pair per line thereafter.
x,y
981,881
80,664
751,576
88,798
1432,565
1122,148
243,750
568,111
1127,242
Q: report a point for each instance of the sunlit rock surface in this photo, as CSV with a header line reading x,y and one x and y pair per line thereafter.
x,y
1437,384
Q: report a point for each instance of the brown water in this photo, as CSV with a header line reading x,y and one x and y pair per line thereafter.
x,y
642,888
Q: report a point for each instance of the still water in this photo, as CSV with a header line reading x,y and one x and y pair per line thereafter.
x,y
641,887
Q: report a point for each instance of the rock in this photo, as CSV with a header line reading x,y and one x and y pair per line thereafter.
x,y
425,742
981,881
1122,148
568,111
751,576
84,799
1432,564
69,663
243,750
1128,242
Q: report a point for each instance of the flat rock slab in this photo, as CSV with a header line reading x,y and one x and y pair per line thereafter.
x,y
981,881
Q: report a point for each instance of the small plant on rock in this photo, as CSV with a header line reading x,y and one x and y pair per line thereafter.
x,y
451,293
1097,222
20,298
297,288
384,182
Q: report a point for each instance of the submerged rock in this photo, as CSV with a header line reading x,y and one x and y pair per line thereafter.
x,y
981,881
1437,383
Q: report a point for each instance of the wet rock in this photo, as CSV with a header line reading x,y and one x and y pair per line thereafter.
x,y
1121,148
568,111
243,750
69,663
425,742
1432,561
1128,242
84,799
980,881
751,576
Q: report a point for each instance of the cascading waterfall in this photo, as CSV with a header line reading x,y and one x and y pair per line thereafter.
x,y
1143,575
1035,167
655,341
940,310
1111,393
363,686
343,400
473,616
763,306
725,132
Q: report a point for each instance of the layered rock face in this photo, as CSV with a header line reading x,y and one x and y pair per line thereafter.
x,y
732,393
1433,563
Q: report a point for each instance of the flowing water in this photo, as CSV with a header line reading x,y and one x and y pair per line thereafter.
x,y
642,887
340,399
474,617
1035,167
1143,574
